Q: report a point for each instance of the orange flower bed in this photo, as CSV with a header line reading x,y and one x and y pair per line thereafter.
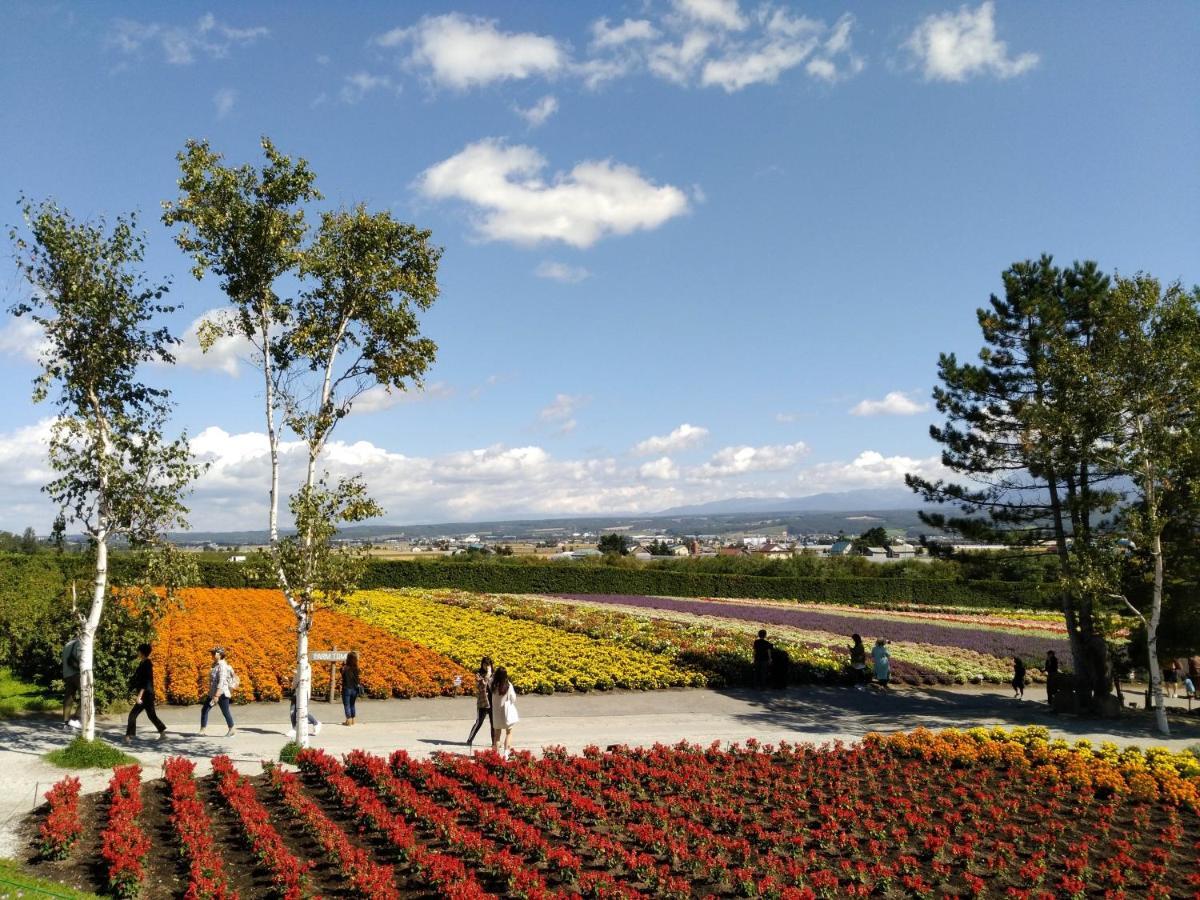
x,y
258,631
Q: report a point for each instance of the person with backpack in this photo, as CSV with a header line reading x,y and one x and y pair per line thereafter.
x,y
142,685
483,702
70,672
221,684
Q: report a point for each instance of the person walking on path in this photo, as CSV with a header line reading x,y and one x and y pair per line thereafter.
x,y
220,689
883,663
142,685
1051,670
1018,679
504,710
483,700
762,660
1171,677
314,726
858,662
70,671
351,687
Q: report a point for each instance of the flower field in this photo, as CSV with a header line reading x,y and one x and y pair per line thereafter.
x,y
956,651
963,814
540,658
258,631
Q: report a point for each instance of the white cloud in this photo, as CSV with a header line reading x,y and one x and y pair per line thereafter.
x,y
561,412
379,398
682,437
717,13
745,459
953,46
181,44
869,469
462,52
515,203
224,355
24,338
557,271
541,111
605,35
678,61
786,42
359,84
662,468
896,403
223,101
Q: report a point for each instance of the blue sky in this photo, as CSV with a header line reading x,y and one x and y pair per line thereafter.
x,y
693,249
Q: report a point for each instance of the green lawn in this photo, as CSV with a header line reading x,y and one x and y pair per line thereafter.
x,y
15,883
17,696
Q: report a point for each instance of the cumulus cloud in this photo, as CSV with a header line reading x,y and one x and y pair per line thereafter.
x,y
681,438
379,397
954,46
723,14
538,113
462,52
896,403
785,43
557,271
180,45
662,468
514,202
605,35
23,338
223,101
223,355
359,84
869,469
745,459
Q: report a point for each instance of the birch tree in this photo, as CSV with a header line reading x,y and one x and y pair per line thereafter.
x,y
247,227
117,476
356,328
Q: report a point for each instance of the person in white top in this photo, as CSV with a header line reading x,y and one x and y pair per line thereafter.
x,y
504,709
220,689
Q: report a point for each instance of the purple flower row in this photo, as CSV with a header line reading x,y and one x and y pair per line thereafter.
x,y
991,641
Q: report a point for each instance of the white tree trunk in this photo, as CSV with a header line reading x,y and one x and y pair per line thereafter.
x,y
1160,709
304,670
87,642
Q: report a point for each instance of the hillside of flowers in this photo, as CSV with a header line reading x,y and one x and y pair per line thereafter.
x,y
540,658
984,813
258,630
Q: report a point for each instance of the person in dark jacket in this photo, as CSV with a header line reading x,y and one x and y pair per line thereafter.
x,y
351,685
762,660
1051,670
1018,679
142,685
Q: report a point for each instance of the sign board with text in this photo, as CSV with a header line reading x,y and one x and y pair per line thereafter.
x,y
329,655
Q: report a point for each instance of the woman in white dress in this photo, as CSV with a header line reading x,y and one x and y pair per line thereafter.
x,y
504,709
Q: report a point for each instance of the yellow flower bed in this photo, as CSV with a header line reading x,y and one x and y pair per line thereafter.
x,y
539,658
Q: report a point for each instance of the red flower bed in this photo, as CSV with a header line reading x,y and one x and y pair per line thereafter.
x,y
288,874
62,826
206,869
124,844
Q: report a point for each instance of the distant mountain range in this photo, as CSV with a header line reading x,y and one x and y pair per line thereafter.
x,y
873,499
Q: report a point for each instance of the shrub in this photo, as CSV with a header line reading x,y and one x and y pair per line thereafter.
x,y
84,754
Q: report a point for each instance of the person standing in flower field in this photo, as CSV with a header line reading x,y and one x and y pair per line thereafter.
x,y
70,670
351,687
504,710
883,663
858,662
762,660
483,699
220,689
142,685
1018,679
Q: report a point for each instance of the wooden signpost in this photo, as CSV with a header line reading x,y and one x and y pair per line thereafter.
x,y
333,657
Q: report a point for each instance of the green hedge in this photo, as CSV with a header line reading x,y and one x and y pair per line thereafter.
x,y
571,578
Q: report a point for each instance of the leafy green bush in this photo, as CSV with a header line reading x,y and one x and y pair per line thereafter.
x,y
288,753
85,754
